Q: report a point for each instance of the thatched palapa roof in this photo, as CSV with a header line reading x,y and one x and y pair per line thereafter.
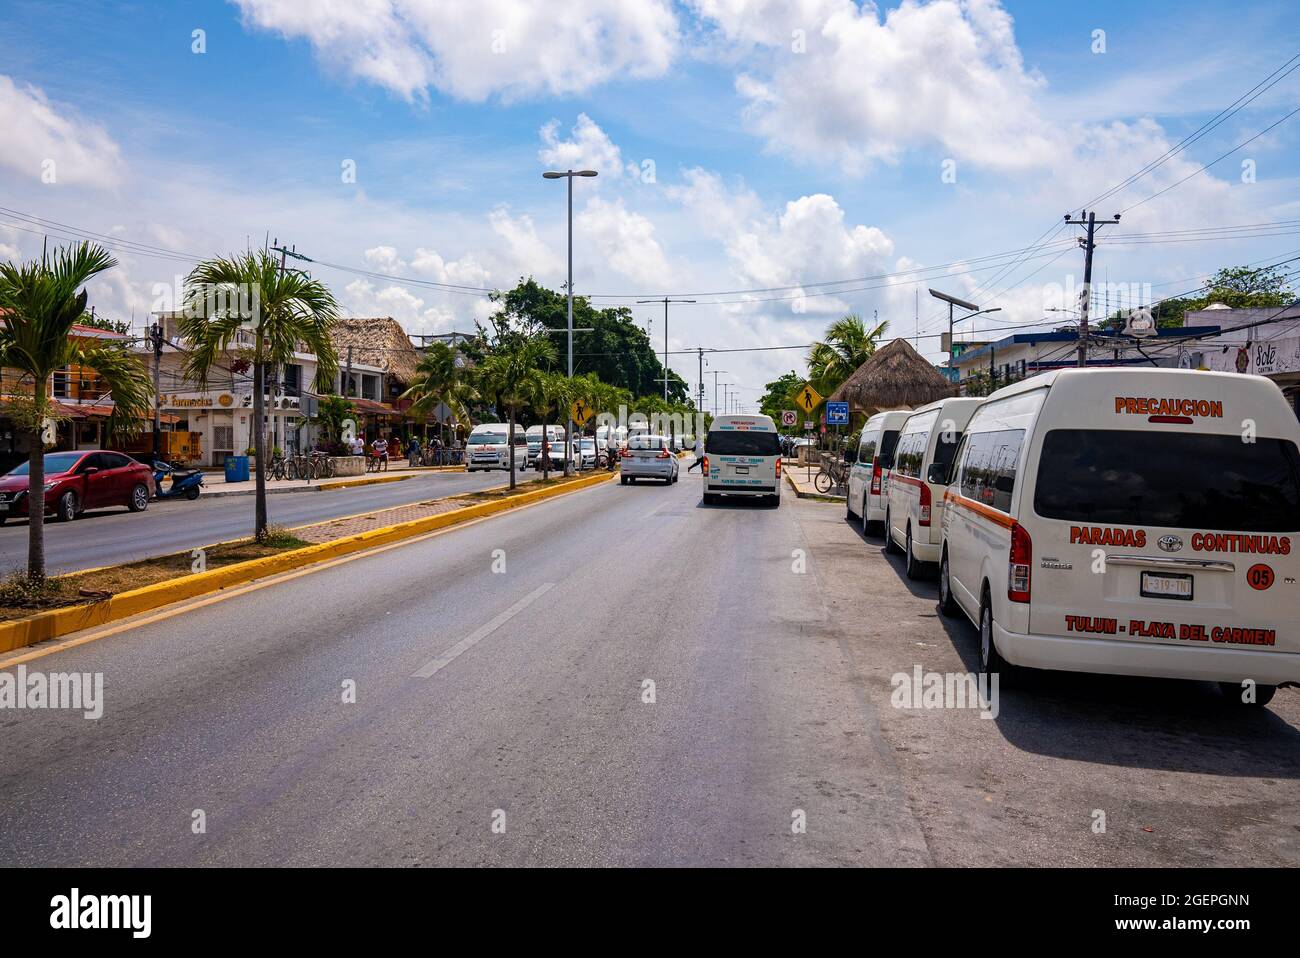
x,y
895,376
379,341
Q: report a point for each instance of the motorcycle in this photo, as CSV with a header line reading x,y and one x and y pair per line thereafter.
x,y
185,482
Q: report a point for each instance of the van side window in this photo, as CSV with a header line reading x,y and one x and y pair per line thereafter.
x,y
867,448
989,469
910,453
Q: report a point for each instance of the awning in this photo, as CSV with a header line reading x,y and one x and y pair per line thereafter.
x,y
368,407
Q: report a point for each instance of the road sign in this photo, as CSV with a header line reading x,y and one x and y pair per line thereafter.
x,y
580,412
442,412
809,425
789,417
808,398
837,414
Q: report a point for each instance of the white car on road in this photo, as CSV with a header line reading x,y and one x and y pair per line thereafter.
x,y
648,457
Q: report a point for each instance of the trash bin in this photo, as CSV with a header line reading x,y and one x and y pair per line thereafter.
x,y
237,469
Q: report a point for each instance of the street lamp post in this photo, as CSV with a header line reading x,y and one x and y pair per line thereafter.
x,y
569,175
951,300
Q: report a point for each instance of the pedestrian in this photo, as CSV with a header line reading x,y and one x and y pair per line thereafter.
x,y
699,454
358,446
380,449
413,451
436,443
611,449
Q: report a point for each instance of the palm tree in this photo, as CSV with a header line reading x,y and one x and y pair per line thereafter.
x,y
287,312
510,372
847,345
39,303
441,379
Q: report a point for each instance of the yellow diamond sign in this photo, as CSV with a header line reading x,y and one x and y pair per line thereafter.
x,y
580,412
807,398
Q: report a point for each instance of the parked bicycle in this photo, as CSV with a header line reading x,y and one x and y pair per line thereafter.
x,y
833,472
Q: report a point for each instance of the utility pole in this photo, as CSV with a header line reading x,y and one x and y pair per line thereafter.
x,y
665,301
156,336
1089,244
716,373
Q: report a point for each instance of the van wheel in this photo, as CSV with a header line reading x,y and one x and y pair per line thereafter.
x,y
1232,694
710,499
911,567
991,661
848,509
890,548
865,528
622,480
776,501
947,604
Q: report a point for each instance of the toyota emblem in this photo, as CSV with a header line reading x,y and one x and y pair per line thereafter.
x,y
1170,543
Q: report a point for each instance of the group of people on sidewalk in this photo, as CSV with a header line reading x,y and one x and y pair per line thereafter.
x,y
431,452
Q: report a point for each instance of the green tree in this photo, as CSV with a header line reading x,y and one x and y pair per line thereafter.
x,y
779,395
442,377
110,325
40,301
1237,286
285,310
510,373
847,345
331,413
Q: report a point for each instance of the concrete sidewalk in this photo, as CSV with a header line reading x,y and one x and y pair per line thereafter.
x,y
801,477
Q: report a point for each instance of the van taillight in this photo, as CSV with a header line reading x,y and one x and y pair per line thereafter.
x,y
875,475
704,465
1022,554
924,519
778,467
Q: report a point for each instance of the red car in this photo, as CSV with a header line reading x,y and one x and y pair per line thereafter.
x,y
77,481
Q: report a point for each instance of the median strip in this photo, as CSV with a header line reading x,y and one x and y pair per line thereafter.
x,y
23,632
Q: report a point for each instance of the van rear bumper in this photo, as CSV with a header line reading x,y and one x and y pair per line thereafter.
x,y
728,490
1121,657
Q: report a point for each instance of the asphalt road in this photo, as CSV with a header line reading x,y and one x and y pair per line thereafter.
x,y
110,536
517,698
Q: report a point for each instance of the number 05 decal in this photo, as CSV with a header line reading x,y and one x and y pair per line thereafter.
x,y
1260,576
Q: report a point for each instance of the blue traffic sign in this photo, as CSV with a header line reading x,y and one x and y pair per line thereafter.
x,y
837,414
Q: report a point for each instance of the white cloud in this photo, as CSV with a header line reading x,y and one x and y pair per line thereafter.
x,y
866,89
37,133
589,149
624,241
472,51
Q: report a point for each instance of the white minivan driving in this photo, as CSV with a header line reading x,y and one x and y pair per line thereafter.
x,y
742,457
918,479
1132,522
867,486
488,447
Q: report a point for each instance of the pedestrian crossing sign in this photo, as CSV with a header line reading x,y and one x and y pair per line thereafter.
x,y
807,398
580,412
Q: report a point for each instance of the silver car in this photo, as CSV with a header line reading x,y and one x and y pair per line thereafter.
x,y
648,457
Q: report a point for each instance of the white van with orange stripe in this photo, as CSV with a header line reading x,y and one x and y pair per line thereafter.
x,y
918,480
1131,522
868,483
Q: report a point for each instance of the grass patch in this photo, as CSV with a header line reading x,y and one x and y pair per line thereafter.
x,y
528,485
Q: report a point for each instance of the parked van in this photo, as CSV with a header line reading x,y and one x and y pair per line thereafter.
x,y
742,457
918,480
534,436
488,447
1132,522
868,483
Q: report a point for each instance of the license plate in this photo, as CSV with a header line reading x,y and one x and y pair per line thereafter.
x,y
742,470
1166,585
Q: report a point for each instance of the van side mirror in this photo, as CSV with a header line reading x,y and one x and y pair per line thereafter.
x,y
937,474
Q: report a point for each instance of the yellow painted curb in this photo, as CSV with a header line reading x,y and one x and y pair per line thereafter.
x,y
21,633
351,483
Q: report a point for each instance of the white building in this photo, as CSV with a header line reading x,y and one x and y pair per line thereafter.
x,y
1265,342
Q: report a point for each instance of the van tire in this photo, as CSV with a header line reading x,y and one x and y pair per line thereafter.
x,y
622,480
991,661
775,501
1232,695
890,548
947,604
865,524
911,567
710,499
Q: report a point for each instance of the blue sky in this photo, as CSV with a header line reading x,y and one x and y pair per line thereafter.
x,y
772,168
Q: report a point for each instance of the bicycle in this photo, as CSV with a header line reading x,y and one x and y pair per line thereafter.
x,y
279,470
372,463
833,472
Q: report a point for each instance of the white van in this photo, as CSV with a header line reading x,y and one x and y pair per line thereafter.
x,y
868,483
1132,522
488,447
742,457
918,479
534,436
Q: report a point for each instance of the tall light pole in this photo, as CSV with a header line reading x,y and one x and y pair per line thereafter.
x,y
716,373
665,301
951,301
569,175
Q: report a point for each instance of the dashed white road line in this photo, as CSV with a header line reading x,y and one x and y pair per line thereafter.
x,y
479,634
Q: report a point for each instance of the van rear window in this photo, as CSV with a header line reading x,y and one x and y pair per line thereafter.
x,y
742,443
1183,480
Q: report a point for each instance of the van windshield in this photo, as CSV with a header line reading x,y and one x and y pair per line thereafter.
x,y
487,439
1182,480
742,443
